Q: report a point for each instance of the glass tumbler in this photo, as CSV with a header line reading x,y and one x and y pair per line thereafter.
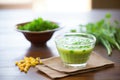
x,y
75,48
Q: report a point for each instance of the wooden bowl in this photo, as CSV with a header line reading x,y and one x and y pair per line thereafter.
x,y
36,38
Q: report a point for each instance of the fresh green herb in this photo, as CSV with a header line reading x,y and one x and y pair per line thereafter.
x,y
39,25
84,51
71,51
73,30
106,32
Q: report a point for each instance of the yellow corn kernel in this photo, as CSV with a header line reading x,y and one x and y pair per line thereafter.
x,y
36,62
40,61
21,61
26,68
16,63
37,58
26,58
27,64
33,63
23,65
21,69
31,58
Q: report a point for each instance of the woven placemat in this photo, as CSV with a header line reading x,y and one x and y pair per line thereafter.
x,y
54,67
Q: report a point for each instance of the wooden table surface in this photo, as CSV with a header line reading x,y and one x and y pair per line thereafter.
x,y
13,45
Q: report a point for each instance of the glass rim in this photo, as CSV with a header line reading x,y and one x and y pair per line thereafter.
x,y
75,34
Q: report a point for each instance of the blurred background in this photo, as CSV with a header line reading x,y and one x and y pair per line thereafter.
x,y
60,5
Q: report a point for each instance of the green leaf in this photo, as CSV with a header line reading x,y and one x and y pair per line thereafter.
x,y
108,15
106,32
73,30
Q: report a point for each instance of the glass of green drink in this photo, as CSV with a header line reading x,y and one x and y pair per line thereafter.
x,y
75,48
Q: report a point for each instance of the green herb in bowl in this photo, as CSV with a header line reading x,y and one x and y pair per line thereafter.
x,y
38,31
39,25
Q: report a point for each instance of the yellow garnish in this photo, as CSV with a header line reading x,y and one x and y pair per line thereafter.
x,y
28,62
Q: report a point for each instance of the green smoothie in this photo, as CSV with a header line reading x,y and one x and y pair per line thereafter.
x,y
75,49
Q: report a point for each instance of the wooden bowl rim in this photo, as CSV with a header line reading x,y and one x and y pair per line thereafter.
x,y
26,31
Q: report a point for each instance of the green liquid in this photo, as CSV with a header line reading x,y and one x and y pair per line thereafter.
x,y
74,50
